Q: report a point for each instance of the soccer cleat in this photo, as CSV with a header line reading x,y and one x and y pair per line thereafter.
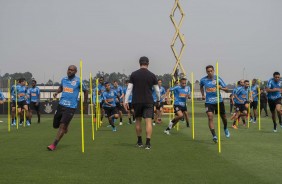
x,y
21,124
254,122
51,147
109,125
227,133
27,123
147,146
214,139
114,129
167,132
274,130
154,124
251,120
139,144
244,124
120,123
234,127
1,121
281,125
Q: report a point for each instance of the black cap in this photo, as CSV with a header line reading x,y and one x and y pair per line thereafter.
x,y
144,60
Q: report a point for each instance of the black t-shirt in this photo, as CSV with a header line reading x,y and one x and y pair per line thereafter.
x,y
143,81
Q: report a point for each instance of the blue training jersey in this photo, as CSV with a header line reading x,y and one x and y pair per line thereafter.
x,y
242,94
255,92
21,91
130,96
271,84
70,92
1,95
162,92
180,94
110,97
34,94
210,89
119,92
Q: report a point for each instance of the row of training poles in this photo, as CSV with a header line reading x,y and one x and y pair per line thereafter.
x,y
97,119
98,110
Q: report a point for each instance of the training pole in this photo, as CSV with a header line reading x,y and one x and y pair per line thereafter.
x,y
249,107
9,105
97,106
16,92
24,117
259,103
218,109
192,97
92,107
81,110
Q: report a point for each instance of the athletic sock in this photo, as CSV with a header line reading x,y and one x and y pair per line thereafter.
x,y
130,120
274,125
170,125
148,141
213,132
139,139
120,119
56,142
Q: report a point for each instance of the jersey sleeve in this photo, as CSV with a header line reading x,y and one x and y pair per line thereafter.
x,y
202,83
221,82
269,84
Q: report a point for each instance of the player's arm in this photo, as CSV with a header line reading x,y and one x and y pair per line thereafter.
x,y
59,90
202,92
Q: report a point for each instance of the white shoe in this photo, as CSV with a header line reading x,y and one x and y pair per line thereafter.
x,y
167,132
1,121
154,124
274,130
120,123
134,121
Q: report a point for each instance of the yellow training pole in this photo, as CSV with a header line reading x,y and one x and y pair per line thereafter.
x,y
192,97
24,118
81,110
259,102
218,109
9,105
97,106
249,107
16,92
92,107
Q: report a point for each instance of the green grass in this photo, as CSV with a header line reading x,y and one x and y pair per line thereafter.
x,y
249,156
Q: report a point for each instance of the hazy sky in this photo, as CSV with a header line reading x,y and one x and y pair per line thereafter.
x,y
45,36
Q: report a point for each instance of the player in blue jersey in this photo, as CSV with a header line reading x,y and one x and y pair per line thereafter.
x,y
22,96
208,87
241,99
274,90
158,109
130,110
35,99
13,104
109,104
119,102
101,89
2,100
254,102
70,88
181,93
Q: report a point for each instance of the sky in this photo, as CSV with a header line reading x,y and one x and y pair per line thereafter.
x,y
45,37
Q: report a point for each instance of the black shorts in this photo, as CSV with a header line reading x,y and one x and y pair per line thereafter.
x,y
22,104
159,107
13,104
179,108
119,106
213,108
272,104
143,110
34,107
63,115
240,107
254,105
110,111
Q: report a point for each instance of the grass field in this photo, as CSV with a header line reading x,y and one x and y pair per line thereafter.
x,y
249,156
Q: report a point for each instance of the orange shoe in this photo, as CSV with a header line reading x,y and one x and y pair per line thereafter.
x,y
235,127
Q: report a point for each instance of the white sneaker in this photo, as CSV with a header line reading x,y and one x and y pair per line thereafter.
x,y
167,132
120,123
1,121
154,124
254,122
274,130
134,121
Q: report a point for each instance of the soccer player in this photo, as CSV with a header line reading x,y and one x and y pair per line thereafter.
x,y
22,95
181,93
2,100
158,109
70,88
130,108
13,104
35,99
274,91
263,101
208,84
109,104
119,102
241,98
101,89
141,83
254,103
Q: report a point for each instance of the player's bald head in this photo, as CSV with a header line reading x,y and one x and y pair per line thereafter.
x,y
73,67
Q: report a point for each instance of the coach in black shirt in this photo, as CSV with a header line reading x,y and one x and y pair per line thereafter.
x,y
141,83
